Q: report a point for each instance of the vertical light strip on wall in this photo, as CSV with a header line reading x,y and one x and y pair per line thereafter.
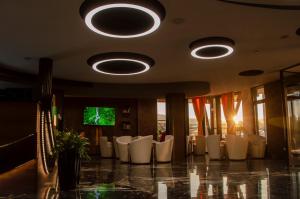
x,y
45,165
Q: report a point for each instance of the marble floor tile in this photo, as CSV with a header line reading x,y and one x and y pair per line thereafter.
x,y
195,178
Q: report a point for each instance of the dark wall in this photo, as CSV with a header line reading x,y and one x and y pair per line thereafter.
x,y
17,120
275,121
147,117
17,133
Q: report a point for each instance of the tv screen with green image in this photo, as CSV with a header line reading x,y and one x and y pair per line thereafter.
x,y
99,116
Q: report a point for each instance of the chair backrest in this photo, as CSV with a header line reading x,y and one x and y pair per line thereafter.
x,y
213,146
116,146
237,140
199,138
199,148
123,142
237,146
140,149
124,139
255,139
140,138
103,139
163,150
213,140
169,137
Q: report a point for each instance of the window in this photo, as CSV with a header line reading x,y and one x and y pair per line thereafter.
x,y
223,123
237,118
208,122
260,111
161,115
193,122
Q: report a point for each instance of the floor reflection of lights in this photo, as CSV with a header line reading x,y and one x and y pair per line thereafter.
x,y
199,179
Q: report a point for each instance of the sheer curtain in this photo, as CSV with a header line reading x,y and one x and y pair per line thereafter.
x,y
229,111
199,108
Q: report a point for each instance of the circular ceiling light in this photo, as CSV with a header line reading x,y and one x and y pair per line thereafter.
x,y
271,4
120,63
249,73
212,48
122,18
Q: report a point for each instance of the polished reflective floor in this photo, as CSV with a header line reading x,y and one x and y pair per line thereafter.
x,y
197,178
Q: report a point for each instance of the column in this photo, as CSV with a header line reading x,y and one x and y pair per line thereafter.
x,y
176,108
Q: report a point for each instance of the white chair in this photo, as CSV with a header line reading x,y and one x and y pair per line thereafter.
x,y
295,157
189,146
116,147
257,146
214,149
163,150
123,143
199,148
105,147
140,150
237,147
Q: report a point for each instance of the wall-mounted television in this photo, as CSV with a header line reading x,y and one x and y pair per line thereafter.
x,y
99,116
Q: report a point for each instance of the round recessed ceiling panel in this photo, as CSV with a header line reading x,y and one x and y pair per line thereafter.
x,y
122,18
249,73
298,31
212,48
120,63
271,4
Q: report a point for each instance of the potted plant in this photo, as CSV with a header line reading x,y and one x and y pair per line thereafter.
x,y
69,148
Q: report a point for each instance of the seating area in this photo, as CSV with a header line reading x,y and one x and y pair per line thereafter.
x,y
144,149
137,150
234,147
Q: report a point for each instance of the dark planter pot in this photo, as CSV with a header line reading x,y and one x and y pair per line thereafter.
x,y
68,169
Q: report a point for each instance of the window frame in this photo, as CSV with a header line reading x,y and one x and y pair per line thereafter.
x,y
255,110
159,120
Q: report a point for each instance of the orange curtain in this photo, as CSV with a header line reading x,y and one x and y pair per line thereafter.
x,y
199,108
228,108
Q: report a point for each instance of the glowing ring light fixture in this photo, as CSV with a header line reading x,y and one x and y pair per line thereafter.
x,y
120,63
122,18
212,48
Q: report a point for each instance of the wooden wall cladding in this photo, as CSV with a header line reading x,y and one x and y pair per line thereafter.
x,y
277,143
17,120
147,117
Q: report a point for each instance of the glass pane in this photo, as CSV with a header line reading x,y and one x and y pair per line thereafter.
x,y
208,120
161,116
261,119
260,93
295,123
215,116
193,123
223,123
238,119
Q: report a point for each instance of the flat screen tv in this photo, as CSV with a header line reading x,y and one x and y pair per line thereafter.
x,y
99,116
